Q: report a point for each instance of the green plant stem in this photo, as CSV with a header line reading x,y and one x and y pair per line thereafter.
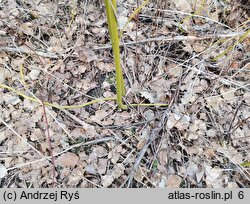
x,y
113,30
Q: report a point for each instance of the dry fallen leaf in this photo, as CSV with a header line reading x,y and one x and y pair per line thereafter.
x,y
213,176
118,170
2,136
175,71
67,160
34,74
183,5
149,115
148,96
3,171
114,156
90,169
173,181
75,177
99,116
108,67
107,180
102,166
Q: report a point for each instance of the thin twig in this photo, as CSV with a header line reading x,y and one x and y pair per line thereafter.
x,y
231,124
175,38
28,52
50,146
239,124
73,117
151,138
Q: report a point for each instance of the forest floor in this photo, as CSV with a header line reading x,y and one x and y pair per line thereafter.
x,y
192,55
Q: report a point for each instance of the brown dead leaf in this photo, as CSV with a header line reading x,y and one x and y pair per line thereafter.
x,y
232,185
141,144
114,156
139,174
123,116
2,136
175,71
107,180
210,153
163,157
27,28
173,181
198,48
86,55
89,130
107,67
214,102
67,160
99,116
75,177
118,170
102,166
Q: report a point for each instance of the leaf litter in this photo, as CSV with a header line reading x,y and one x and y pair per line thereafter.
x,y
202,136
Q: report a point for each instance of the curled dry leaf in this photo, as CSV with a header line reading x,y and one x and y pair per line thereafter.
x,y
196,129
181,122
141,143
86,55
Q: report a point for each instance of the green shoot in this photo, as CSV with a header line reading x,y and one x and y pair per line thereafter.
x,y
113,30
